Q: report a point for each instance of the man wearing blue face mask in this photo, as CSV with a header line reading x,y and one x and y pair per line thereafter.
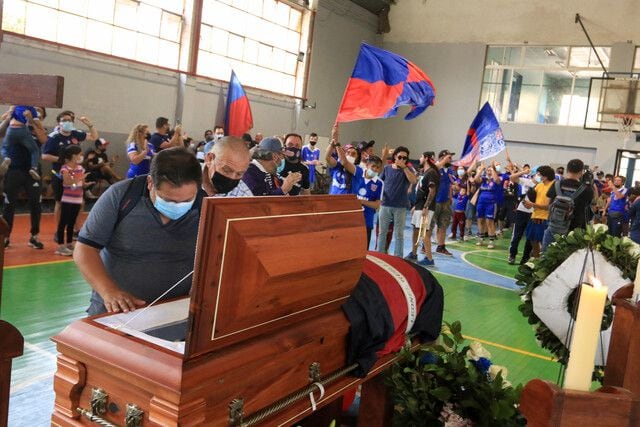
x,y
140,237
262,176
64,135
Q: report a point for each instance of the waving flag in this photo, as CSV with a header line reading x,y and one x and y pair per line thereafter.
x,y
381,82
237,114
484,138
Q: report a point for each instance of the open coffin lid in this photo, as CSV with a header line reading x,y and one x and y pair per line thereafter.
x,y
261,264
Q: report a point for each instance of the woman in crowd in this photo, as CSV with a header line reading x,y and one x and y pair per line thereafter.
x,y
139,151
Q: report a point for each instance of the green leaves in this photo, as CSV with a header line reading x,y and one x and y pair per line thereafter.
x,y
422,383
617,251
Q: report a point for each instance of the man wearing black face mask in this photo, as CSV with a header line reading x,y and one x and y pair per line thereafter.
x,y
311,157
225,162
292,153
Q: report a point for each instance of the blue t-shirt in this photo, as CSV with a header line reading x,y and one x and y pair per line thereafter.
x,y
446,177
396,186
57,142
310,154
371,190
339,180
156,140
18,113
461,202
143,167
489,190
619,204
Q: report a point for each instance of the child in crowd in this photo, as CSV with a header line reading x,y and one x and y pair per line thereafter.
x,y
72,191
460,206
371,192
19,133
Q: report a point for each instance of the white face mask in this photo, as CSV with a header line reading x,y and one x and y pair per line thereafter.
x,y
537,178
351,159
80,160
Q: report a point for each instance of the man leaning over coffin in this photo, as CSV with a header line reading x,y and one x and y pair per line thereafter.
x,y
140,237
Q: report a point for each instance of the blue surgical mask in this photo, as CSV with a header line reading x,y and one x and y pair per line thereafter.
x,y
498,167
66,126
172,210
460,172
537,178
371,174
281,166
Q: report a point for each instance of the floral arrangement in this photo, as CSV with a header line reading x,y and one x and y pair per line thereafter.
x,y
452,384
621,252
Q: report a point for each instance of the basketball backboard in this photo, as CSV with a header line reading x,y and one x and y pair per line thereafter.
x,y
610,97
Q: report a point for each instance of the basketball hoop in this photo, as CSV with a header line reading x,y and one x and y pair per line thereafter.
x,y
626,122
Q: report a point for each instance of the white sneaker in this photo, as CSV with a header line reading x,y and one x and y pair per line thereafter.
x,y
490,245
64,251
467,238
479,242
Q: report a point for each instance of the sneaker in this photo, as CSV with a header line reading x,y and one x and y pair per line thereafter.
x,y
427,262
479,242
411,257
490,245
467,238
511,260
35,243
34,174
70,246
443,251
64,251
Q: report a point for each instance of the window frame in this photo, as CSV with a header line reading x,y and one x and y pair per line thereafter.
x,y
188,64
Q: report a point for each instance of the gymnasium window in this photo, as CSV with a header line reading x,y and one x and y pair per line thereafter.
x,y
540,84
148,31
264,41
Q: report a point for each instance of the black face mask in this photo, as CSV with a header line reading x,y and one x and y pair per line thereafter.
x,y
447,165
208,138
223,184
296,154
312,143
147,136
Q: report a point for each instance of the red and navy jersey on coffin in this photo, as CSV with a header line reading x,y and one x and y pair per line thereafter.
x,y
392,297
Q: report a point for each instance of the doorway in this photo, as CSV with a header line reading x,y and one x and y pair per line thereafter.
x,y
628,165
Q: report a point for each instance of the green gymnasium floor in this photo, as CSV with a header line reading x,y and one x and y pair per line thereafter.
x,y
479,291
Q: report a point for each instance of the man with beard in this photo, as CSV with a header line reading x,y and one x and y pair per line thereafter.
x,y
262,175
292,150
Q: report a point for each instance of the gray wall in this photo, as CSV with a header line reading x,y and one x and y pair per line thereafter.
x,y
116,94
456,70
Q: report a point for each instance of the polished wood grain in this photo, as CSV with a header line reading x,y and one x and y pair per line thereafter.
x,y
544,404
623,360
11,346
32,89
266,265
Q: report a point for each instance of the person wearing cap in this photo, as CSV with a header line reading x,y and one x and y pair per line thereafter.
x,y
311,157
397,178
262,175
443,214
424,208
292,164
366,150
225,163
346,175
98,165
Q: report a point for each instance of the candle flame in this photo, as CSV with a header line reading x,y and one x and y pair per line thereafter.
x,y
595,282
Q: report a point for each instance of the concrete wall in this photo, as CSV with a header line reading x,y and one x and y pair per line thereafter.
x,y
116,94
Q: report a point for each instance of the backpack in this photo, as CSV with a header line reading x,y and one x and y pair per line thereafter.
x,y
562,208
135,191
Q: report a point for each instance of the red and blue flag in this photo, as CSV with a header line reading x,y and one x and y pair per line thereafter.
x,y
237,116
380,83
484,138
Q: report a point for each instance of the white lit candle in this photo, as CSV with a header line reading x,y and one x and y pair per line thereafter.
x,y
586,334
636,285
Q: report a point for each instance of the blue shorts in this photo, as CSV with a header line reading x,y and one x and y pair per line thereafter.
x,y
486,209
535,230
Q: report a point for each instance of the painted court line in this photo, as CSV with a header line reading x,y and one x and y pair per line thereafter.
x,y
11,267
512,349
48,354
464,258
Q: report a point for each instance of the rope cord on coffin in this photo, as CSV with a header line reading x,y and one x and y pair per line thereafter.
x,y
549,285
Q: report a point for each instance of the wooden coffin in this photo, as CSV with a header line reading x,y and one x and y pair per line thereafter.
x,y
270,276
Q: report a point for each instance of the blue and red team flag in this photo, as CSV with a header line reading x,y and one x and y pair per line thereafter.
x,y
484,138
381,82
237,114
